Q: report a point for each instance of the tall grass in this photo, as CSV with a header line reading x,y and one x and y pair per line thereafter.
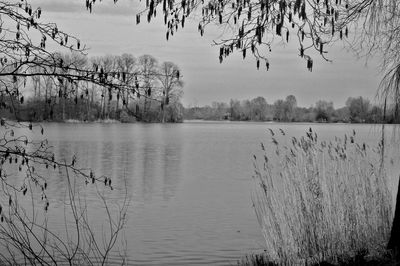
x,y
320,201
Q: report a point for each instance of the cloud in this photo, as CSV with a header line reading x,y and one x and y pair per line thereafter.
x,y
59,6
127,7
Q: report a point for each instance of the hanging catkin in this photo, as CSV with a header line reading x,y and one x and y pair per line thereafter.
x,y
309,64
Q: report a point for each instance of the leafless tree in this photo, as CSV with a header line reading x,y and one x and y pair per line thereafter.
x,y
170,83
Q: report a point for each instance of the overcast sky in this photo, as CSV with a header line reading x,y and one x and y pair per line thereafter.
x,y
112,29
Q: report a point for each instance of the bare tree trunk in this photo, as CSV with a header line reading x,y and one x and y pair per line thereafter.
x,y
51,102
87,102
163,110
63,97
45,102
38,84
109,103
149,106
34,88
394,242
145,110
90,104
78,110
165,104
116,110
102,105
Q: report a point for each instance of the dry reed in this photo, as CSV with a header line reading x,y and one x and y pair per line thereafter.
x,y
321,201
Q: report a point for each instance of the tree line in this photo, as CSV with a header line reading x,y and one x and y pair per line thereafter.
x,y
356,110
155,93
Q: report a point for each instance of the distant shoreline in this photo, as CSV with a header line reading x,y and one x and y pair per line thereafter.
x,y
280,122
114,121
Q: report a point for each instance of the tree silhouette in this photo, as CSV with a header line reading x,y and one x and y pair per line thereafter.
x,y
256,25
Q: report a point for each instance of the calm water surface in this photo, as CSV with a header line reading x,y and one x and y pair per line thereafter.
x,y
190,183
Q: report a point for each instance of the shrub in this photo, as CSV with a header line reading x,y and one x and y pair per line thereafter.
x,y
28,236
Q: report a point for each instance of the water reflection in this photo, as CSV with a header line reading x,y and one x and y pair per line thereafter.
x,y
161,158
171,168
147,162
106,158
125,165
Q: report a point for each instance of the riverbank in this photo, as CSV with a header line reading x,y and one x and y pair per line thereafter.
x,y
102,121
362,258
280,122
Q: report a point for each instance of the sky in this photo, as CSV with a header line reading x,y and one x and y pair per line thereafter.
x,y
112,29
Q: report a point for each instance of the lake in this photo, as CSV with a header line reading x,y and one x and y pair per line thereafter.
x,y
190,184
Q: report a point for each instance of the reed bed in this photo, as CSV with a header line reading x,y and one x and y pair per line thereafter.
x,y
321,200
